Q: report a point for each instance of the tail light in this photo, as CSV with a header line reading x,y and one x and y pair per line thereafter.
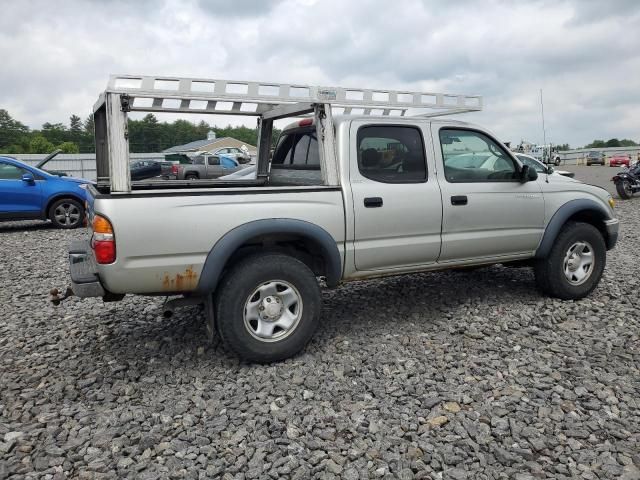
x,y
174,169
103,242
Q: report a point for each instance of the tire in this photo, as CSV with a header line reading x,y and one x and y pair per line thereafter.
x,y
557,162
191,176
552,273
624,189
255,285
66,213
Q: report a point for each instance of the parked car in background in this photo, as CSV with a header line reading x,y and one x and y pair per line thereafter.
x,y
619,160
595,158
143,169
206,166
540,167
28,193
236,153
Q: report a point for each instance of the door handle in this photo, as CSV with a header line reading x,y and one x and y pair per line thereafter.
x,y
459,200
373,202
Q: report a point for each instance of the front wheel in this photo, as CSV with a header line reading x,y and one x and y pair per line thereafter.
x,y
557,162
268,307
66,213
623,187
575,264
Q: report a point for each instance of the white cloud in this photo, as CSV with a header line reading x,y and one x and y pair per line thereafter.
x,y
57,55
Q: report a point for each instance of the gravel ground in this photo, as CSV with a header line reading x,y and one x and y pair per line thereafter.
x,y
453,375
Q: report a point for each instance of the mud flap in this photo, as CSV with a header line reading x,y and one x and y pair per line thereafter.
x,y
209,317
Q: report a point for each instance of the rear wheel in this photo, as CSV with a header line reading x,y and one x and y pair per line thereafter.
x,y
191,176
66,213
268,307
557,162
624,189
575,263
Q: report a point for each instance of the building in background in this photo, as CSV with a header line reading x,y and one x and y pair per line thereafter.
x,y
213,144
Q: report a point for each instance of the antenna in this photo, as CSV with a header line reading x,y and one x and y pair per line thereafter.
x,y
544,133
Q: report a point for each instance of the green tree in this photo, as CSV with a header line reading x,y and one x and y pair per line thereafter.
x,y
625,142
55,132
613,142
69,147
89,125
75,125
11,131
40,144
596,144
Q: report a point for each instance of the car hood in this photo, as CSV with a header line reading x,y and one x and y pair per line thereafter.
x,y
79,181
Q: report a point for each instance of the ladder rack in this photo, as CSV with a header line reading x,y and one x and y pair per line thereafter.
x,y
231,97
267,100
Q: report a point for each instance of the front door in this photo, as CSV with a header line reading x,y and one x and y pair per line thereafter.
x,y
396,198
487,211
17,197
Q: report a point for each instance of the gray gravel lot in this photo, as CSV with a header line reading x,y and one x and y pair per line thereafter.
x,y
452,375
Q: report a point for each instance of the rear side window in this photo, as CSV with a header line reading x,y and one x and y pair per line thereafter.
x,y
297,150
392,154
213,160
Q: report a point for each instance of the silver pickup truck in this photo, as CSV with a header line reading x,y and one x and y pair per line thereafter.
x,y
205,166
342,198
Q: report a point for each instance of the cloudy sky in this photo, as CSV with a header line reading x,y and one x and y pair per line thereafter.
x,y
584,54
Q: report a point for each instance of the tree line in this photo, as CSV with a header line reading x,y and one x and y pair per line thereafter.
x,y
146,135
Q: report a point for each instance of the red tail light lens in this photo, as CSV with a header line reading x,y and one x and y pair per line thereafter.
x,y
104,251
174,169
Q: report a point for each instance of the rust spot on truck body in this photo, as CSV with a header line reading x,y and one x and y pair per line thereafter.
x,y
180,282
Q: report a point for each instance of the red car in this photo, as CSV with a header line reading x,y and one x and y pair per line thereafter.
x,y
619,161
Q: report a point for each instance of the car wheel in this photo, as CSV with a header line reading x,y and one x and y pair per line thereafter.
x,y
575,263
268,307
66,213
191,176
557,162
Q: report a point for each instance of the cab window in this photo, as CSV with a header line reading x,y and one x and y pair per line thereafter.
x,y
391,154
471,156
297,150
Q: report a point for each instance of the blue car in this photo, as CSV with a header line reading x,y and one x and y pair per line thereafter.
x,y
28,193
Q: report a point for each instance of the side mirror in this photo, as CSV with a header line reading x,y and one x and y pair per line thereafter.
x,y
528,174
28,178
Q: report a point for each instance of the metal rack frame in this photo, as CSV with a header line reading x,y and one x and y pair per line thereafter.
x,y
266,100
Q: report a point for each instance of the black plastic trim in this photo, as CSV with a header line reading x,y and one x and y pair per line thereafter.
x,y
231,241
560,218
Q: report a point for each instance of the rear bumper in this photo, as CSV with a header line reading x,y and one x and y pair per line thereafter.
x,y
84,271
612,226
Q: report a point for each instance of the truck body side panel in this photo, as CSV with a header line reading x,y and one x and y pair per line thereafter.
x,y
162,240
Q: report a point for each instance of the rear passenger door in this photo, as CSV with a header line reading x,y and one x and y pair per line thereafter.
x,y
396,198
487,211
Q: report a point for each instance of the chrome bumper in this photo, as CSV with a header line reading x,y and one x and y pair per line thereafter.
x,y
84,272
612,226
